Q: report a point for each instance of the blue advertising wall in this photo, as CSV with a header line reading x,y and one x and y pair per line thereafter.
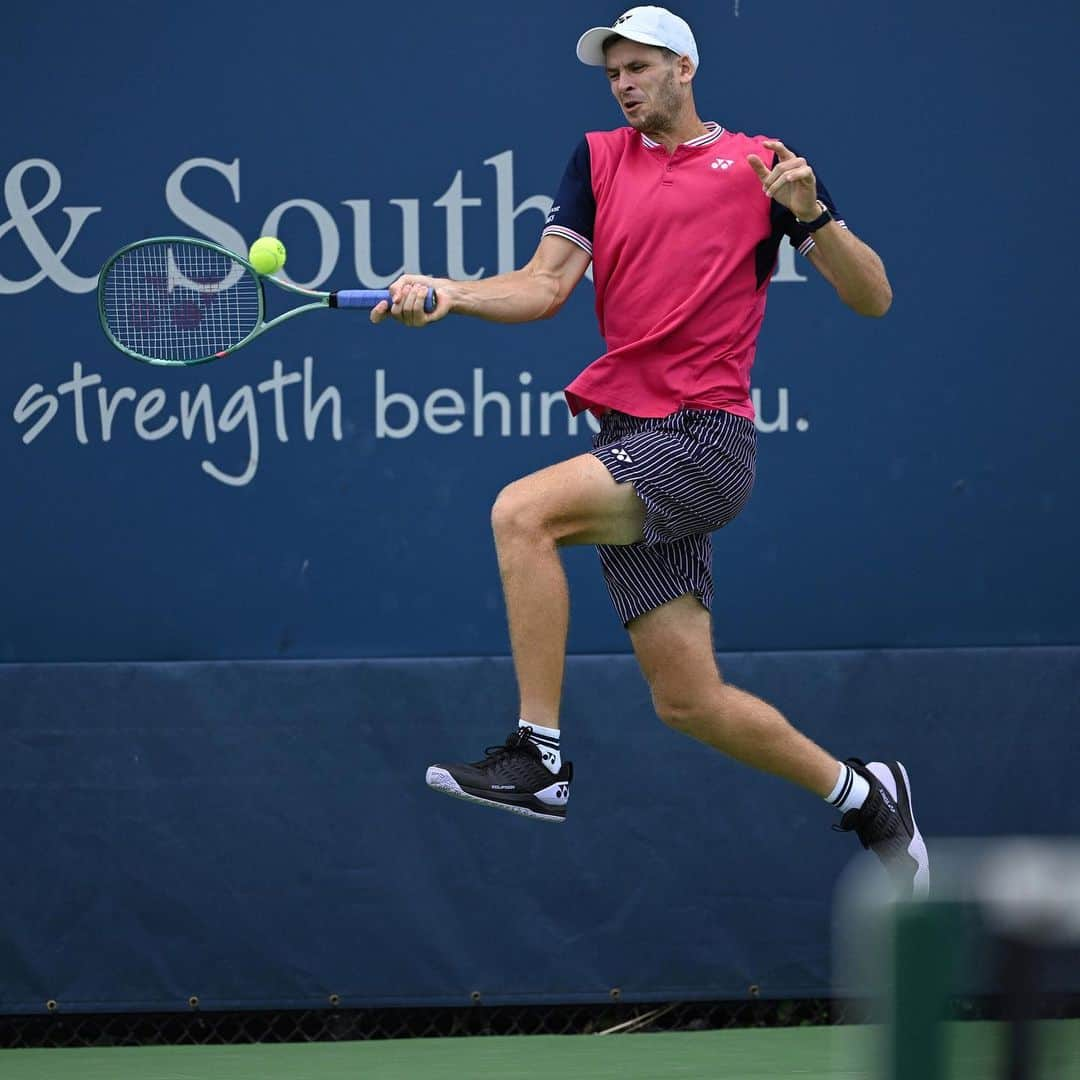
x,y
243,605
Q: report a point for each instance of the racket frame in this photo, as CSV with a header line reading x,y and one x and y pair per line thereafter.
x,y
318,300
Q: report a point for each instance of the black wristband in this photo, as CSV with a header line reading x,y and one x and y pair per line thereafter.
x,y
822,219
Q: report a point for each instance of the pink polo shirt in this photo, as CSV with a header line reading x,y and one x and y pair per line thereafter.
x,y
683,247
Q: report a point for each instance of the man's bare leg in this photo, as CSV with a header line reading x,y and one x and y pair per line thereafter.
x,y
574,502
674,647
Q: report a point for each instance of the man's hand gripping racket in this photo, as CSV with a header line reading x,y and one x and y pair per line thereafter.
x,y
408,301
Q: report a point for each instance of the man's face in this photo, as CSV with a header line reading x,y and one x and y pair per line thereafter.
x,y
643,80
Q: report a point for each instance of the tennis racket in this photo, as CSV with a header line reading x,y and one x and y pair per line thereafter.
x,y
177,301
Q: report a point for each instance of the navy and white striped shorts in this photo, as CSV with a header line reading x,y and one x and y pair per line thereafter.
x,y
694,471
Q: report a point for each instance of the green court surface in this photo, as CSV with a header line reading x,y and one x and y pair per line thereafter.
x,y
837,1053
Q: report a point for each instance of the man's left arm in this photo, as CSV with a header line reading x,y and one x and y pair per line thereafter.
x,y
852,267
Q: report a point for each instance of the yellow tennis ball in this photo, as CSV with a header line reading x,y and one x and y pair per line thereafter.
x,y
267,255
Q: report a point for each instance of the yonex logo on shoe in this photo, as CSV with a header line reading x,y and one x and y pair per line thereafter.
x,y
562,791
621,455
722,163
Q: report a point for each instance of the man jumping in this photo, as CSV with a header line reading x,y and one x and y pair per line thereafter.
x,y
682,221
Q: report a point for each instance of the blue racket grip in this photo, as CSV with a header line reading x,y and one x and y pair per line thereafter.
x,y
368,298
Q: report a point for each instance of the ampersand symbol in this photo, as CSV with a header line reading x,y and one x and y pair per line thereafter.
x,y
22,219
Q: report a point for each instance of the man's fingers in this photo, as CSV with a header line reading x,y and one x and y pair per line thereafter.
x,y
407,298
782,152
788,165
776,185
758,166
788,176
399,289
412,305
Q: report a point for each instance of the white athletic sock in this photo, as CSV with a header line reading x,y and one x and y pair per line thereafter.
x,y
850,791
547,739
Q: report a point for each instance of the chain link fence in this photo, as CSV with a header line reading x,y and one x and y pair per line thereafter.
x,y
58,1029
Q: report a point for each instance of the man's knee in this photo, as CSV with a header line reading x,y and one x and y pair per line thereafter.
x,y
678,713
687,710
516,514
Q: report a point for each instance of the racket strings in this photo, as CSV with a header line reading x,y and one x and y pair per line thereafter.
x,y
174,301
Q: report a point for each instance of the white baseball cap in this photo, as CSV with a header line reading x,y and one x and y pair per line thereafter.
x,y
647,25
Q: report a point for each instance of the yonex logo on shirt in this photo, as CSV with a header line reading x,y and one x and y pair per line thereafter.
x,y
722,163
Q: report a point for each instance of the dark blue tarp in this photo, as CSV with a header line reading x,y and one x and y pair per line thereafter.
x,y
259,834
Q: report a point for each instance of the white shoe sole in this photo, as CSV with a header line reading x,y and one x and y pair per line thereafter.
x,y
440,780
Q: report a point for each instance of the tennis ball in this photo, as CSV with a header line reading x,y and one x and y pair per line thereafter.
x,y
267,255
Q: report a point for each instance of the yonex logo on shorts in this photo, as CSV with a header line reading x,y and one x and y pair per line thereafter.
x,y
693,471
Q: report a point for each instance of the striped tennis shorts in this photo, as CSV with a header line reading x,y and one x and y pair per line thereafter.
x,y
694,471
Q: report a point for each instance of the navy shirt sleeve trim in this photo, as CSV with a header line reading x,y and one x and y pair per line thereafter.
x,y
573,214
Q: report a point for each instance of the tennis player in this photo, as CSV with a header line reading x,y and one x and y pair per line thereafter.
x,y
682,221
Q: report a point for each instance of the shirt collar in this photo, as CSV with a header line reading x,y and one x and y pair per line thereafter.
x,y
713,132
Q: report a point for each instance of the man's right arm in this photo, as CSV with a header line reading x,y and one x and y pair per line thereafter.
x,y
539,288
536,291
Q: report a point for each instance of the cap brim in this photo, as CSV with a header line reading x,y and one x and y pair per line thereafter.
x,y
590,46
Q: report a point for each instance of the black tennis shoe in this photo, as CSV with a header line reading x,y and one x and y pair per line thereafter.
x,y
885,824
511,777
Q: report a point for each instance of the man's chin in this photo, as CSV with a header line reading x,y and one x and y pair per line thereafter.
x,y
639,121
